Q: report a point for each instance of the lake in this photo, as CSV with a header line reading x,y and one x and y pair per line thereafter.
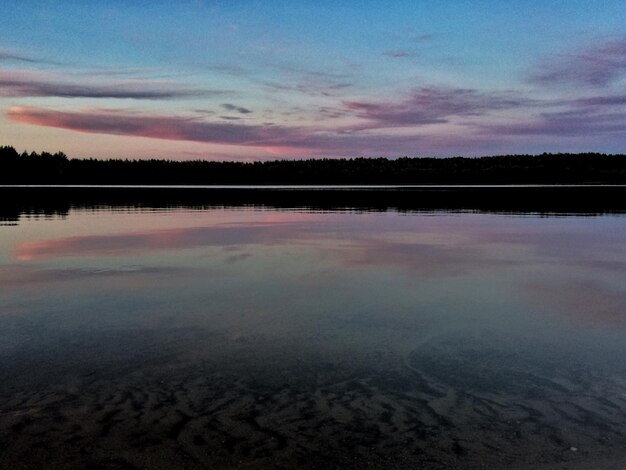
x,y
298,330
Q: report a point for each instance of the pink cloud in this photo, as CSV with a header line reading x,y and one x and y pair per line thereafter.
x,y
158,127
463,119
274,138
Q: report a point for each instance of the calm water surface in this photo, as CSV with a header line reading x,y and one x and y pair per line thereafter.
x,y
234,337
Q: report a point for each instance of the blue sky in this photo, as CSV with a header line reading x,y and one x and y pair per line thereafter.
x,y
246,80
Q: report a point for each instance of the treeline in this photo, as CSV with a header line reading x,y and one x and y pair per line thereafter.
x,y
57,168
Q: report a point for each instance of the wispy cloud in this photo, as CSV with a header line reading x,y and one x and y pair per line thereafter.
x,y
24,84
398,54
158,127
568,123
432,106
608,100
422,38
239,109
464,118
311,86
15,56
598,65
275,139
306,81
8,55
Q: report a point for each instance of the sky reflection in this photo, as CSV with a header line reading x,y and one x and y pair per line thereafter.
x,y
566,265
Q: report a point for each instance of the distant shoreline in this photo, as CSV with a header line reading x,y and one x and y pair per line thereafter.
x,y
46,169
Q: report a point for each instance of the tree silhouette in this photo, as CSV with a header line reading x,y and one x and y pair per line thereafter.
x,y
57,168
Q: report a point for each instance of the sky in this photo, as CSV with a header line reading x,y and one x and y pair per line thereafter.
x,y
264,80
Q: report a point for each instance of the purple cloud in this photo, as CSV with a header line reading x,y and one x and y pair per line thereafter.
x,y
596,65
614,100
159,127
239,109
18,84
433,106
275,139
380,128
569,123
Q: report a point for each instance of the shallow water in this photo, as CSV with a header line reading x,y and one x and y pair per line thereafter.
x,y
256,337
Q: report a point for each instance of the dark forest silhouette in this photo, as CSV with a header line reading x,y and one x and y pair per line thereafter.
x,y
57,168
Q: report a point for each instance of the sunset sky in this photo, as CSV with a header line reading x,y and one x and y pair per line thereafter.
x,y
248,80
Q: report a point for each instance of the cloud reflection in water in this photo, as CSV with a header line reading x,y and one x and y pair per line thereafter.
x,y
562,264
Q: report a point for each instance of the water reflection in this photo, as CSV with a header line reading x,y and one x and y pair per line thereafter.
x,y
47,202
157,240
255,336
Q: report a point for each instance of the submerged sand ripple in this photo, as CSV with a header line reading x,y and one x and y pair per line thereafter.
x,y
443,404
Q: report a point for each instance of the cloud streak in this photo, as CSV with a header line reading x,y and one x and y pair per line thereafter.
x,y
398,54
8,55
13,56
423,38
275,139
239,109
432,105
596,65
568,123
463,118
609,100
20,84
158,127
